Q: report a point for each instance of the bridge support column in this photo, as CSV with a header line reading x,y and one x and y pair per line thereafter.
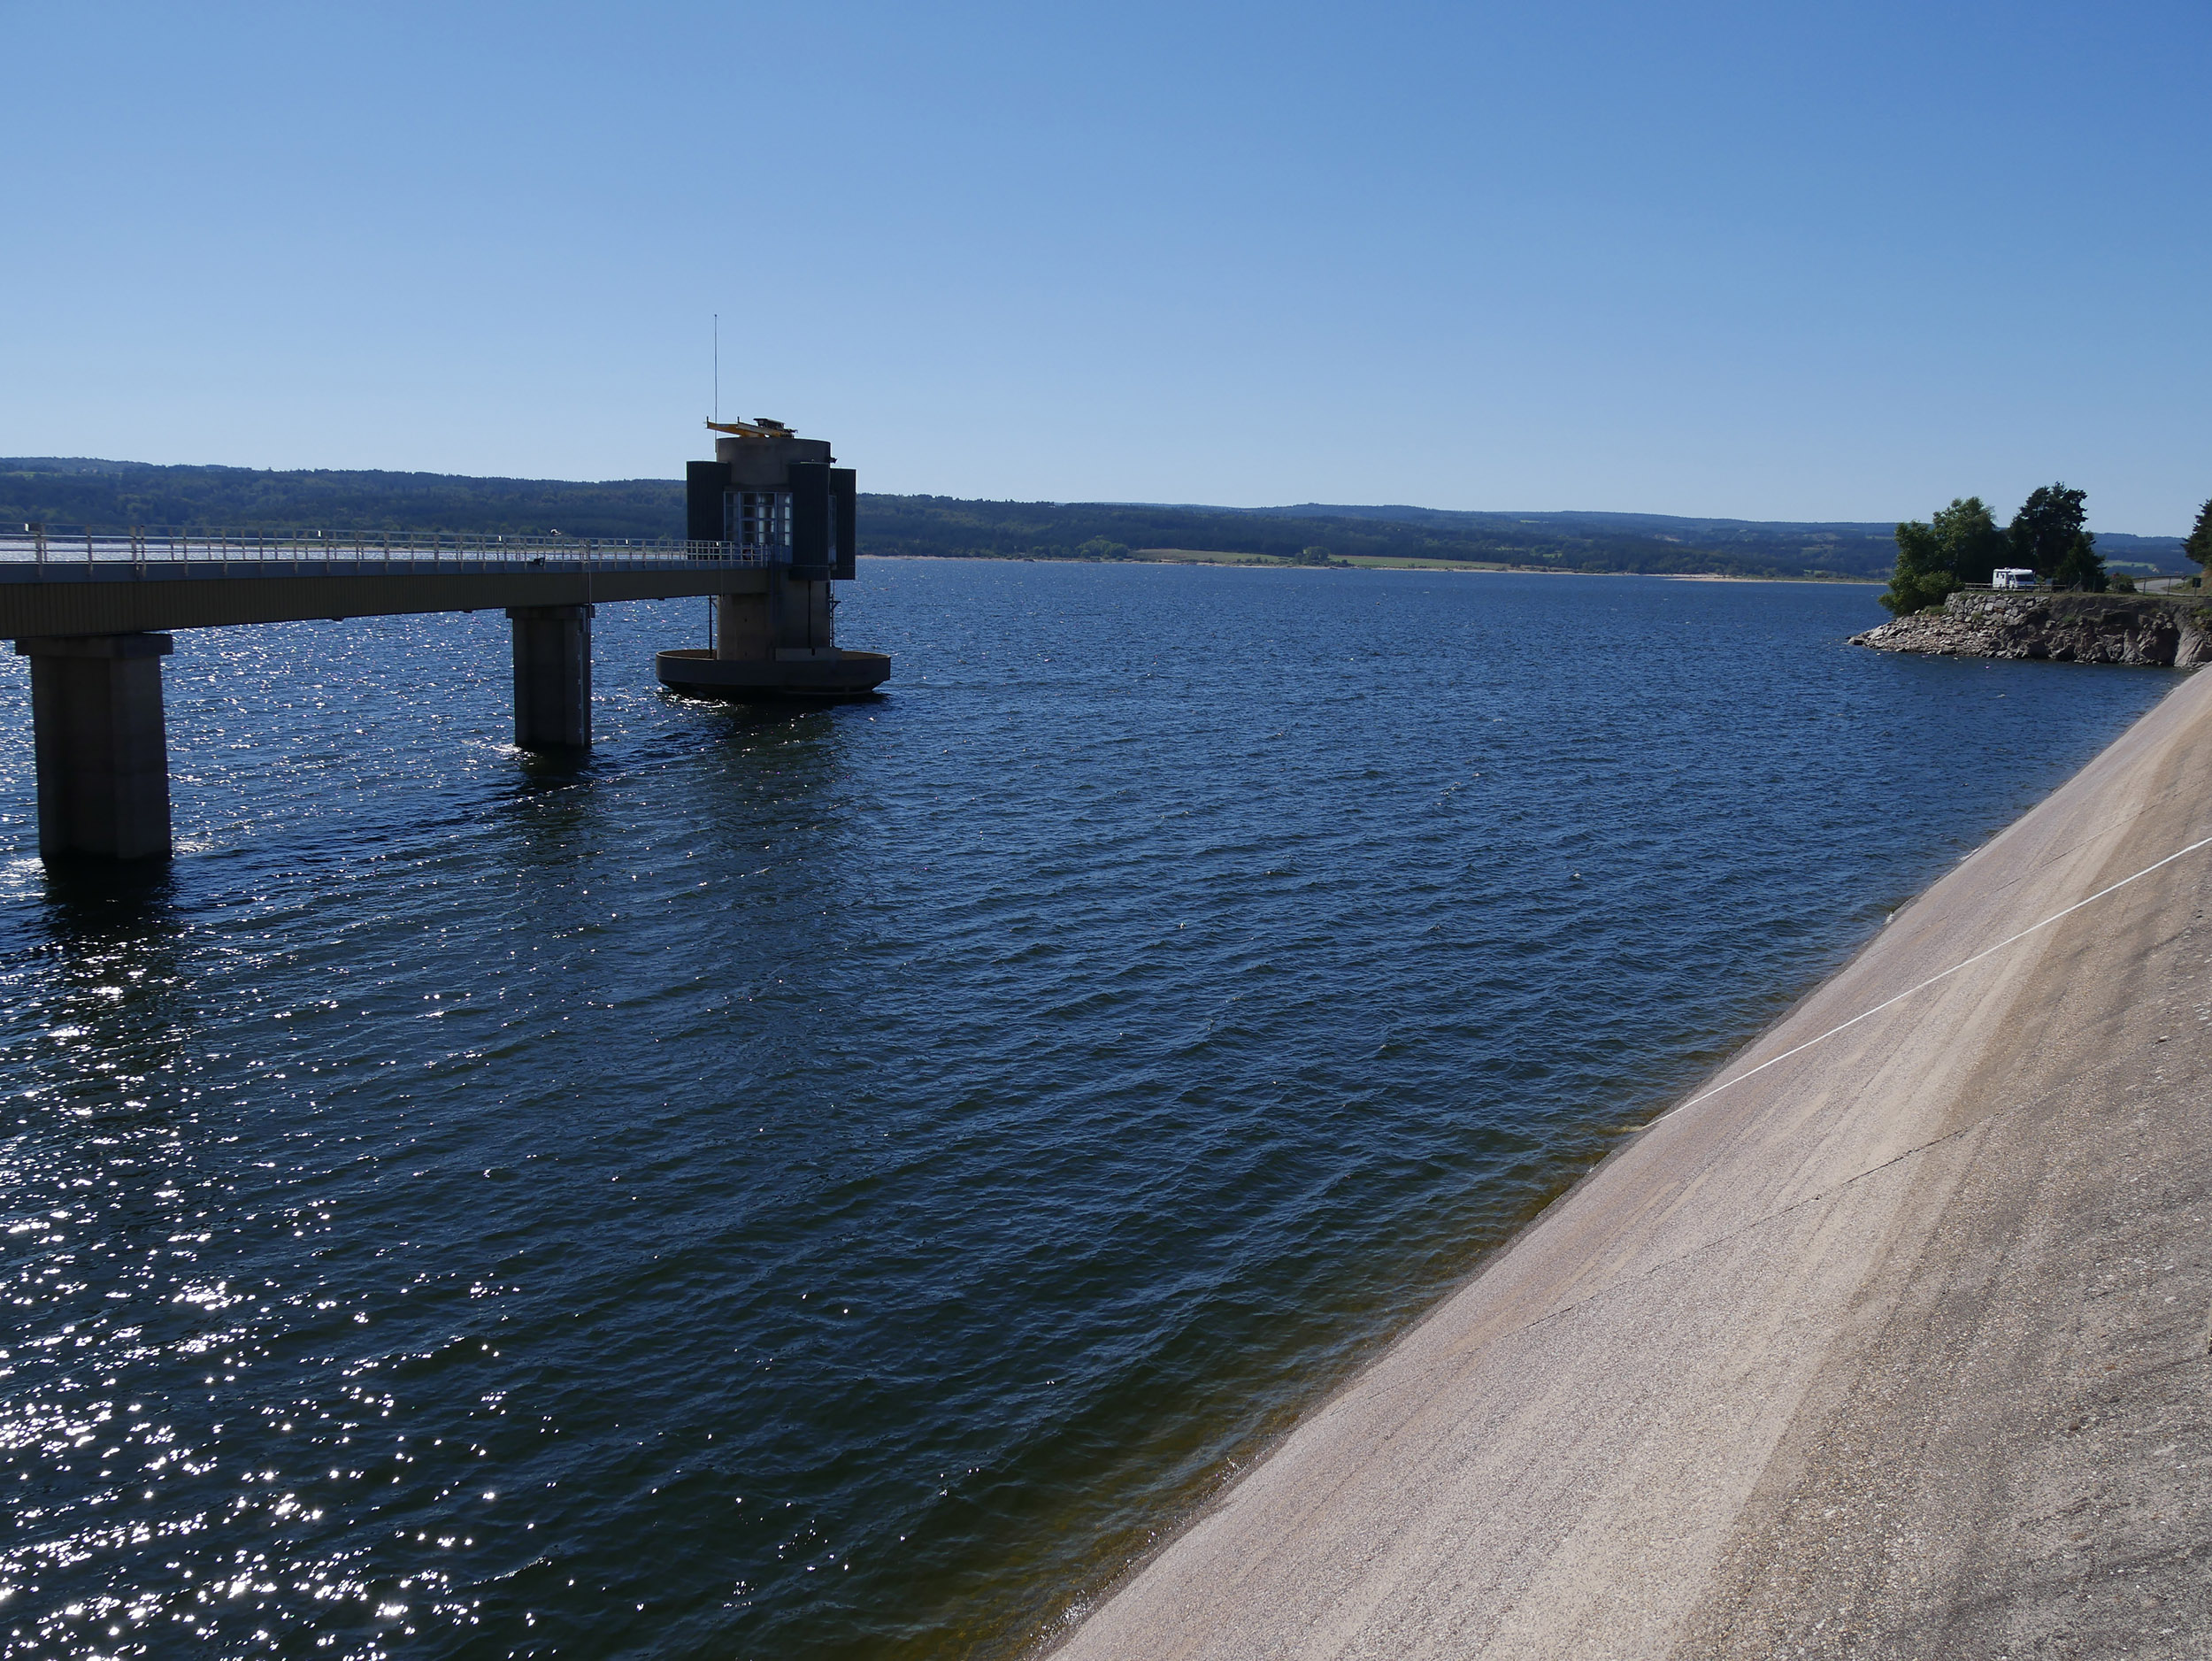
x,y
103,756
552,676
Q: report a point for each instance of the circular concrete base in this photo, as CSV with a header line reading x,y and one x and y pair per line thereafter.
x,y
842,674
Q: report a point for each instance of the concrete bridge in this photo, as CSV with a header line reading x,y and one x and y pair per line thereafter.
x,y
95,613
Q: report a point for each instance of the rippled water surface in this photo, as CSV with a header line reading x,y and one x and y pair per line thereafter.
x,y
836,1182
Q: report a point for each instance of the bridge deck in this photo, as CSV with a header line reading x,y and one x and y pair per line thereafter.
x,y
93,584
94,614
160,595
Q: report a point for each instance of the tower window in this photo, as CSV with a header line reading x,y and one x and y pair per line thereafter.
x,y
759,522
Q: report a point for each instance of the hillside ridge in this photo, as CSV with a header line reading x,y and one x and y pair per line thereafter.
x,y
113,495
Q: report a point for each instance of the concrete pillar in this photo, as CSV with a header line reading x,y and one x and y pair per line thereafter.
x,y
744,627
552,676
103,756
791,616
803,622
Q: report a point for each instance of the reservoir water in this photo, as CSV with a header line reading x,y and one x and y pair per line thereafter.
x,y
840,1182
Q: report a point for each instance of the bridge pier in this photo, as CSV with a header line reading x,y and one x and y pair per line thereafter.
x,y
552,676
102,752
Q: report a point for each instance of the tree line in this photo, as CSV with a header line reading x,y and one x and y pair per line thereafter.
x,y
111,494
1960,545
948,526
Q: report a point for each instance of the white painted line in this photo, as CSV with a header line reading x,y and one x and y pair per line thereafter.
x,y
1945,974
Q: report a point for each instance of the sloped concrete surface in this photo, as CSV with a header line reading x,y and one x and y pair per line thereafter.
x,y
1896,1348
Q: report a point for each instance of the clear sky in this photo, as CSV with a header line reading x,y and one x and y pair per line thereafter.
x,y
1782,261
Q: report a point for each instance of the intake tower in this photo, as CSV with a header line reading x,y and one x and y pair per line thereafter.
x,y
786,507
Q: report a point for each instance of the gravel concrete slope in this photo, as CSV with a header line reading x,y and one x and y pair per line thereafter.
x,y
1898,1346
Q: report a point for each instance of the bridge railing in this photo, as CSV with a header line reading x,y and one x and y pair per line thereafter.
x,y
63,552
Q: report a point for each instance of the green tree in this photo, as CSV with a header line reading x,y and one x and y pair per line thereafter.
x,y
1919,580
2048,537
2199,545
1960,545
1314,556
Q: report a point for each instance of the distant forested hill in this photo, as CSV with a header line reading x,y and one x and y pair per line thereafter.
x,y
114,495
1574,541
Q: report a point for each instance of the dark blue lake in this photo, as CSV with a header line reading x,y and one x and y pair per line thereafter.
x,y
837,1182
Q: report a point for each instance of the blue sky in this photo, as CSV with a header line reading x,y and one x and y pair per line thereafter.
x,y
1761,261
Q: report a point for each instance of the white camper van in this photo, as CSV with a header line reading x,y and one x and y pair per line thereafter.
x,y
2011,577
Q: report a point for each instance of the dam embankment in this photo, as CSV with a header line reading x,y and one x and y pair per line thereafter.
x,y
1891,1341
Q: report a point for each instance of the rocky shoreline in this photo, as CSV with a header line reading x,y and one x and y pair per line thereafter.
x,y
2114,628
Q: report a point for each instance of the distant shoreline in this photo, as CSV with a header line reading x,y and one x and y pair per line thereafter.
x,y
1464,568
84,493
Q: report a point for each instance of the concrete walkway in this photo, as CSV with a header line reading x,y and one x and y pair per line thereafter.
x,y
1898,1348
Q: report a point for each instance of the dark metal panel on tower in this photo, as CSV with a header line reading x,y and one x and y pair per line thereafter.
x,y
844,510
811,548
705,485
